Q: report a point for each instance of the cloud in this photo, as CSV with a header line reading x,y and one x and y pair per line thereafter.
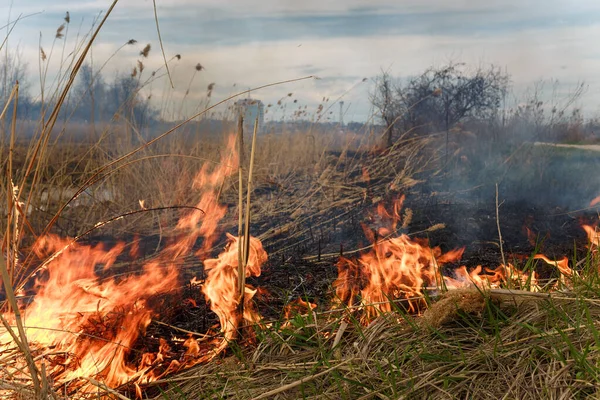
x,y
234,22
245,9
248,45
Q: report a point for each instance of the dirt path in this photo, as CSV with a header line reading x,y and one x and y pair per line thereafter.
x,y
591,147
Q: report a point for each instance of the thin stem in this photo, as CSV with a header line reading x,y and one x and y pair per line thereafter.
x,y
241,287
498,225
249,191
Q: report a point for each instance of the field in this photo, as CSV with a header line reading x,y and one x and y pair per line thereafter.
x,y
304,263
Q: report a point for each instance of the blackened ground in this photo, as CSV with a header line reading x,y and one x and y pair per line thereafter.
x,y
306,225
555,232
306,265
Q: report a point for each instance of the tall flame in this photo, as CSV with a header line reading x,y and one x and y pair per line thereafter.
x,y
87,314
221,290
401,268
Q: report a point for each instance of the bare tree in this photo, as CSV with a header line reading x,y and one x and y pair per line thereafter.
x,y
386,103
12,70
439,98
90,93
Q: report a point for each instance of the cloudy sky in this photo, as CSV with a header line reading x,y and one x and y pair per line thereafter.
x,y
243,44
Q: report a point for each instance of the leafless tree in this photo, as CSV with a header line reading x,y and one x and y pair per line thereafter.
x,y
12,70
439,98
385,101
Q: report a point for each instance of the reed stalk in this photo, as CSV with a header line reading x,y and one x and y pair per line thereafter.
x,y
241,277
249,191
7,267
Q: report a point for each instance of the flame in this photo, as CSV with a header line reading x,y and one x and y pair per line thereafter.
x,y
566,273
220,287
298,306
402,268
463,278
205,219
531,236
395,268
90,323
87,312
593,237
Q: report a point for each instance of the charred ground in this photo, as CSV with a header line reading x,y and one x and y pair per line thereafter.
x,y
305,242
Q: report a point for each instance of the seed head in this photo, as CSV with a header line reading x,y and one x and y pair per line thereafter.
x,y
59,34
145,51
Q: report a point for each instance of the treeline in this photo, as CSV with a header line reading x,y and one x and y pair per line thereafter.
x,y
92,99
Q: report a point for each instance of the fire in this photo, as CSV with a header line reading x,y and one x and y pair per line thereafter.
x,y
204,221
88,310
395,268
398,268
81,325
566,273
593,237
221,291
298,306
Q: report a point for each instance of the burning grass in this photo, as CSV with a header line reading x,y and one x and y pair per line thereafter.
x,y
473,344
396,317
399,324
402,318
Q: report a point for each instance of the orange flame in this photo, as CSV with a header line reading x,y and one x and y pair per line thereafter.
x,y
87,313
566,273
91,324
394,268
298,306
593,237
401,268
220,287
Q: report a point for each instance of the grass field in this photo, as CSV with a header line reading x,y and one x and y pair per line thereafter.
x,y
91,185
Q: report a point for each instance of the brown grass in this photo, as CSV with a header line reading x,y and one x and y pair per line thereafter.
x,y
467,345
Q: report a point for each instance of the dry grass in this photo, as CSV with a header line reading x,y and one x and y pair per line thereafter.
x,y
77,187
467,345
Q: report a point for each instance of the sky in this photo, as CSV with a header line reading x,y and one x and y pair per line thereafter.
x,y
243,44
